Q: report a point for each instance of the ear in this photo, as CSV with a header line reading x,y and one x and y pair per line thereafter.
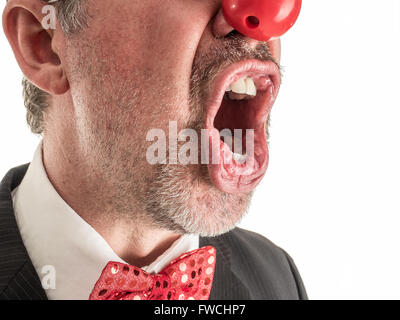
x,y
275,48
33,45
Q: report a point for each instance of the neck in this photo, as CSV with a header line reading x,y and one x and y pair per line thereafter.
x,y
131,235
133,242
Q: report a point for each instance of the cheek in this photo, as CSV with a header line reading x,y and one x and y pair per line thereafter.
x,y
169,45
161,40
275,47
151,53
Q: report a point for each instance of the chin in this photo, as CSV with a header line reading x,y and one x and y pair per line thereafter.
x,y
183,199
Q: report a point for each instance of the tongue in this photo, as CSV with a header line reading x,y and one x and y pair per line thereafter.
x,y
235,176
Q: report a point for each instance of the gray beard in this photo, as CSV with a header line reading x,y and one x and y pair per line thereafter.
x,y
175,200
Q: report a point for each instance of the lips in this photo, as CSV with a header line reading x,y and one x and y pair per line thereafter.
x,y
227,170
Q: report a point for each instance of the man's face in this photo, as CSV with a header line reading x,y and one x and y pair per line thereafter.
x,y
140,65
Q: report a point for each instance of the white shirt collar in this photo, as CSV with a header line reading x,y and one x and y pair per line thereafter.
x,y
58,239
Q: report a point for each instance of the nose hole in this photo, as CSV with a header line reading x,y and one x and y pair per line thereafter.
x,y
252,22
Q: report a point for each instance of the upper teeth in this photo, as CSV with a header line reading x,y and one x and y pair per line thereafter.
x,y
243,86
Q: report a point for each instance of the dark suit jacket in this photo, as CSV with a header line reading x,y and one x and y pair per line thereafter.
x,y
248,265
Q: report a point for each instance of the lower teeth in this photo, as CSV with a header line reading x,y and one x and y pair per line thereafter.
x,y
240,158
238,96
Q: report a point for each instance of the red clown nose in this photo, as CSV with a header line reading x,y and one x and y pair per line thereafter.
x,y
262,20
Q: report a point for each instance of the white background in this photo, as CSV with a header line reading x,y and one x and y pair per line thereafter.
x,y
331,196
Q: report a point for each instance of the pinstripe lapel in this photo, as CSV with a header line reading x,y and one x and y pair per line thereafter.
x,y
18,278
226,285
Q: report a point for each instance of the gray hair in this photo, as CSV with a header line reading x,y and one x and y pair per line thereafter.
x,y
71,15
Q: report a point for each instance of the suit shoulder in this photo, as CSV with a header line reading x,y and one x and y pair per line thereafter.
x,y
273,268
254,242
14,177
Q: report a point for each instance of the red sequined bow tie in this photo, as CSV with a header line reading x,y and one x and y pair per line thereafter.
x,y
189,277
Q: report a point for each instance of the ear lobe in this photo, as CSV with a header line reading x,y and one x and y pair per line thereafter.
x,y
33,46
275,48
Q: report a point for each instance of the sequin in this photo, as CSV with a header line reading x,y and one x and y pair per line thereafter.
x,y
103,292
184,278
132,284
121,282
182,266
114,269
125,269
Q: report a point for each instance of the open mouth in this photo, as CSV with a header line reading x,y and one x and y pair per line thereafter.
x,y
240,103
